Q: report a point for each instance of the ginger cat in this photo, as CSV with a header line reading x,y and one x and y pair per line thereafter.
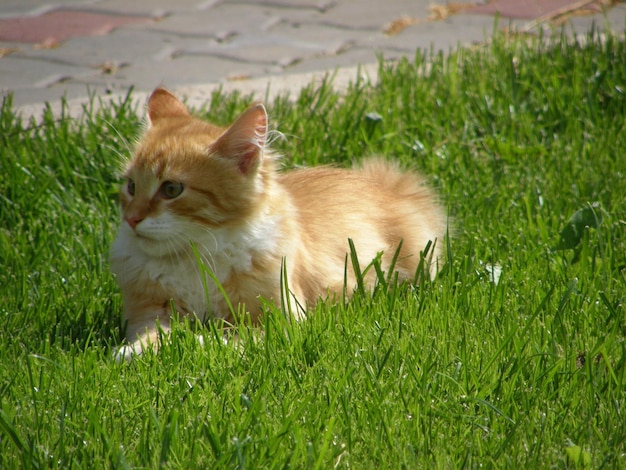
x,y
193,184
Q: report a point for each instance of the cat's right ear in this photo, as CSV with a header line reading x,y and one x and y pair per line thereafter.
x,y
245,139
163,104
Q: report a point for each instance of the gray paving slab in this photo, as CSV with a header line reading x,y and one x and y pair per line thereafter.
x,y
318,5
373,15
349,60
172,74
122,46
613,21
435,35
18,73
217,20
14,46
13,8
275,50
155,8
321,36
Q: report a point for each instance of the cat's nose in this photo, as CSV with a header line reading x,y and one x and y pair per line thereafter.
x,y
133,220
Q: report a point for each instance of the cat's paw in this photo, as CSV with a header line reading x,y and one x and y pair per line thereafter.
x,y
126,351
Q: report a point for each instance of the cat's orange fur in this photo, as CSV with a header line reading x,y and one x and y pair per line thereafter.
x,y
244,218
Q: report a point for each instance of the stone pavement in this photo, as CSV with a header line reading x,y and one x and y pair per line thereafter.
x,y
71,48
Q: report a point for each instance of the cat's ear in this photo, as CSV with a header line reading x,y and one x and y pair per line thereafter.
x,y
244,140
163,104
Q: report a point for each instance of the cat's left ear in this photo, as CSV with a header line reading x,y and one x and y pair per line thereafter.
x,y
245,139
163,104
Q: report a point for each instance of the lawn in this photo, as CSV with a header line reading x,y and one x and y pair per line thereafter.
x,y
514,356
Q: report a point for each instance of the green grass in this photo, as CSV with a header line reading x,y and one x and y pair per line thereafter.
x,y
529,372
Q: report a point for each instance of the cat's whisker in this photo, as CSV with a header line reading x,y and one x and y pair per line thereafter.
x,y
209,232
120,157
111,126
274,136
174,254
208,252
181,249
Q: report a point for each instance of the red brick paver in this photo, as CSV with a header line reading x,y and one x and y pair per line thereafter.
x,y
57,26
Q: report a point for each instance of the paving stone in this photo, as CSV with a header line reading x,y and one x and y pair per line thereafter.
x,y
292,14
373,15
264,54
120,47
154,8
272,49
321,6
329,63
529,9
582,25
323,36
178,72
12,8
22,73
9,48
435,34
16,8
220,21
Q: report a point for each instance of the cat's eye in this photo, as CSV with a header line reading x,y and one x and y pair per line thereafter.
x,y
171,189
130,187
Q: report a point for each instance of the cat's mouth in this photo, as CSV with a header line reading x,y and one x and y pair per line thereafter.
x,y
147,239
143,237
156,245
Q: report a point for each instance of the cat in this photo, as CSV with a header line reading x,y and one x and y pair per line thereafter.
x,y
193,190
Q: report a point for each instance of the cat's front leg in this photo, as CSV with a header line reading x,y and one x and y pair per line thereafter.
x,y
144,327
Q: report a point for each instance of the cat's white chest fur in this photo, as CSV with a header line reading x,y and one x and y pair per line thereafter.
x,y
177,258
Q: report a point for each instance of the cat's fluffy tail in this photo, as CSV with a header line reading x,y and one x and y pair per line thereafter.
x,y
418,213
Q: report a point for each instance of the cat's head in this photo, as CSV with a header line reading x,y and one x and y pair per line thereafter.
x,y
188,176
